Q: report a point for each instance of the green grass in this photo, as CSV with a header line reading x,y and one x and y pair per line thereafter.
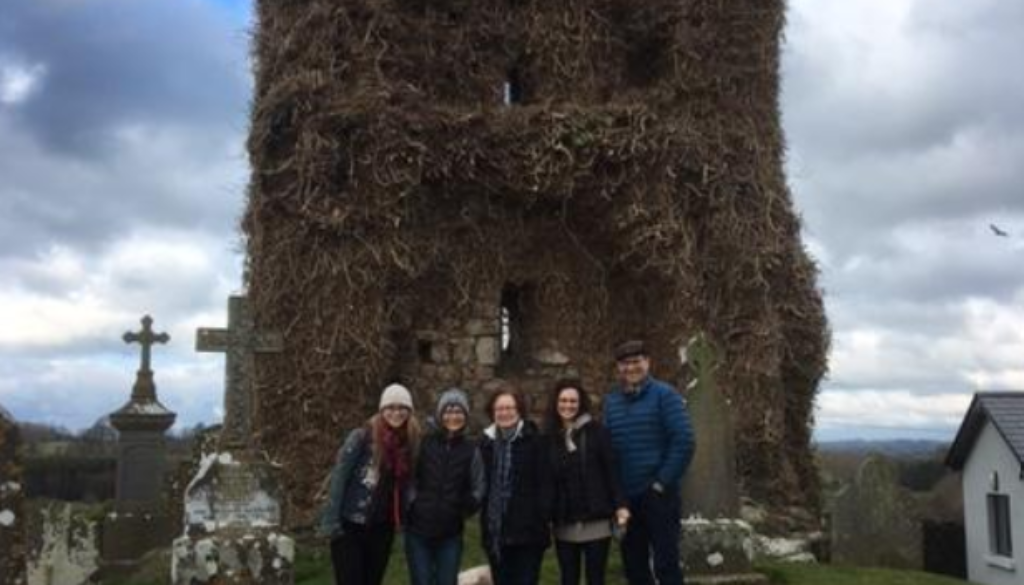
x,y
313,567
809,574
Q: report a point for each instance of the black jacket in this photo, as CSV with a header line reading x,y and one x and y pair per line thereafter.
x,y
587,485
448,486
528,513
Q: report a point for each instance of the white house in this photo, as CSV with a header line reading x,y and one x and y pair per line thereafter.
x,y
989,451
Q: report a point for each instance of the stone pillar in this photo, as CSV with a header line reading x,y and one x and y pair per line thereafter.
x,y
12,510
140,521
717,547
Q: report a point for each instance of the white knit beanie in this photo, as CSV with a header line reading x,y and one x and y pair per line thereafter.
x,y
396,395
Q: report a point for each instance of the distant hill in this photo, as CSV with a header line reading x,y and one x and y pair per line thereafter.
x,y
897,448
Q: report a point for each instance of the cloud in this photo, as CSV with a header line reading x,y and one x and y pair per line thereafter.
x,y
889,413
66,300
119,115
905,134
19,81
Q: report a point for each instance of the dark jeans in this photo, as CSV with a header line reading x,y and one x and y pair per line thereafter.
x,y
360,556
433,561
594,555
519,565
652,540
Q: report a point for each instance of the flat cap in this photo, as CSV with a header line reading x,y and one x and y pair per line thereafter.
x,y
628,349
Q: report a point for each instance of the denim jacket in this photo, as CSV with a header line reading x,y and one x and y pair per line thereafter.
x,y
351,490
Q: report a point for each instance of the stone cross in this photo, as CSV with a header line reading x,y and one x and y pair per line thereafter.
x,y
240,342
711,485
144,388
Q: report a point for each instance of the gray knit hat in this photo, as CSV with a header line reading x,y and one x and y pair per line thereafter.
x,y
452,397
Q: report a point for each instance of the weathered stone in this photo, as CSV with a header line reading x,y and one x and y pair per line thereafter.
x,y
718,551
232,506
476,576
873,520
550,357
12,509
440,353
64,543
464,351
479,327
233,525
257,556
714,462
240,342
487,351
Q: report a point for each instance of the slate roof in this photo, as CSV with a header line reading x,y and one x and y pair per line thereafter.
x,y
1005,410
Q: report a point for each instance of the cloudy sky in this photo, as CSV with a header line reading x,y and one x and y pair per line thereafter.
x,y
122,175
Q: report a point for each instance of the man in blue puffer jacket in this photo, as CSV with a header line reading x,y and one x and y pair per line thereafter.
x,y
653,443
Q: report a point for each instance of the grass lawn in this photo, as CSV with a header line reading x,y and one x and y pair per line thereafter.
x,y
800,574
313,567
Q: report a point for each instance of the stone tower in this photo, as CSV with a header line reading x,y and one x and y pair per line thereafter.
x,y
445,192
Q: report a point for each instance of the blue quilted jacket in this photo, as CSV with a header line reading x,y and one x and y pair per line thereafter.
x,y
651,435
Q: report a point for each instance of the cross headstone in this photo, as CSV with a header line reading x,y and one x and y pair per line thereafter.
x,y
715,544
240,342
235,491
12,516
144,389
140,521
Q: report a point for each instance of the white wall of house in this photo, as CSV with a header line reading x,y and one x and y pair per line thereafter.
x,y
991,455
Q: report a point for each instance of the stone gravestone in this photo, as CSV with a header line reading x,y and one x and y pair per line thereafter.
x,y
12,509
140,521
873,521
717,547
233,527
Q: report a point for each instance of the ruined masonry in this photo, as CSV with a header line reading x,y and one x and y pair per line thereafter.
x,y
233,516
449,192
12,508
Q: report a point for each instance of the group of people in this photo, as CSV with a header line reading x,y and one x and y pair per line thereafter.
x,y
577,480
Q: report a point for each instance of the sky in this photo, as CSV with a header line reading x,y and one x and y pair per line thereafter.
x,y
123,172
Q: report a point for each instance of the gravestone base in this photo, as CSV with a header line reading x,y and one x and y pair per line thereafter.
x,y
128,536
234,557
233,528
719,552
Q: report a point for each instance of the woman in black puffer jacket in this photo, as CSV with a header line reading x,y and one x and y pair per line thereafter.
x,y
589,500
448,488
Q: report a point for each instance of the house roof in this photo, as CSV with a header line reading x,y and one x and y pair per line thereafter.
x,y
1005,410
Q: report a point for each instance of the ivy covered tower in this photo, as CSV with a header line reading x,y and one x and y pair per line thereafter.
x,y
446,192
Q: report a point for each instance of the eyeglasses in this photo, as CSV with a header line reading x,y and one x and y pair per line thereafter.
x,y
396,408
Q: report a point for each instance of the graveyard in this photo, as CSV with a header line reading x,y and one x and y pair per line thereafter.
x,y
446,193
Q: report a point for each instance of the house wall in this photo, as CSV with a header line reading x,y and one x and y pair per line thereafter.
x,y
991,454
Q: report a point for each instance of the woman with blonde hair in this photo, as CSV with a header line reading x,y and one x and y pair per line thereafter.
x,y
369,488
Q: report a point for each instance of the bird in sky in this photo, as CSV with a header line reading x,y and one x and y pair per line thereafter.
x,y
997,231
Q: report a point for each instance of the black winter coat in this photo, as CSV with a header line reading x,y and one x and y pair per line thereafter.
x,y
587,485
527,518
449,485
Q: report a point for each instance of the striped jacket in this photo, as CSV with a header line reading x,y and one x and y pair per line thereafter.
x,y
651,435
